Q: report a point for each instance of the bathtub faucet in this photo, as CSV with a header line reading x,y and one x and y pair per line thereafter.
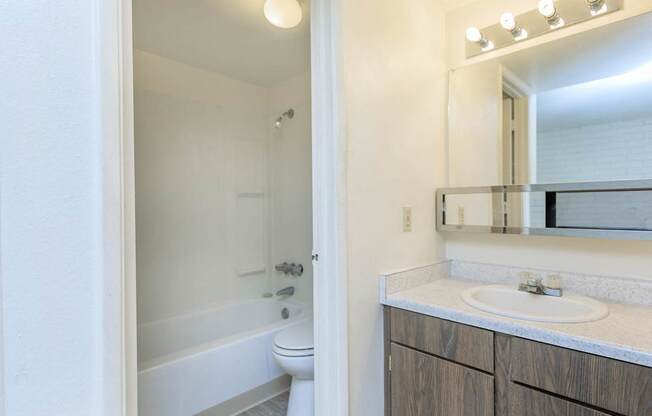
x,y
286,292
292,269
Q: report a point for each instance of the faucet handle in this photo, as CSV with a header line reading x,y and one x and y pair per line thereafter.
x,y
536,279
524,276
553,281
530,278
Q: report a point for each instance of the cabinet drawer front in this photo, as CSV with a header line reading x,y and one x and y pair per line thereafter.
x,y
528,402
423,385
601,382
456,342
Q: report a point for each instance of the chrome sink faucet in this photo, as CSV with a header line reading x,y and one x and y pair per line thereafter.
x,y
533,283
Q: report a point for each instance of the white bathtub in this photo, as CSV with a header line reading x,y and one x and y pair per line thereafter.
x,y
190,363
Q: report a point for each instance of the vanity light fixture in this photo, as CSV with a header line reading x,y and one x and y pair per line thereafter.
x,y
285,14
474,35
508,22
597,6
549,11
549,16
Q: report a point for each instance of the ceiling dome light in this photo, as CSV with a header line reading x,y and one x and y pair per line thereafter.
x,y
285,14
508,22
474,35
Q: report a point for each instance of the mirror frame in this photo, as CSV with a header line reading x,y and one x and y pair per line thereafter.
x,y
630,185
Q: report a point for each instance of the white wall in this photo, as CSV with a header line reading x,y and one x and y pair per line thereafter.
x,y
291,184
599,152
619,258
395,88
221,195
618,150
51,213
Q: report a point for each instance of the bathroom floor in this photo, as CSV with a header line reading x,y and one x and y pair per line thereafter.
x,y
276,406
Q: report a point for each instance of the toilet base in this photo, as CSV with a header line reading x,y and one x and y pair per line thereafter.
x,y
302,398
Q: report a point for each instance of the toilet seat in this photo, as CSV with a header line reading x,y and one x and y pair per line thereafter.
x,y
295,341
293,353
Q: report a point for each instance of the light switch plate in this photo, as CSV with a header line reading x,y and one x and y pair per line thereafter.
x,y
407,219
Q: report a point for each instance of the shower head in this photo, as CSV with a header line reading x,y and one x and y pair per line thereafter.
x,y
279,121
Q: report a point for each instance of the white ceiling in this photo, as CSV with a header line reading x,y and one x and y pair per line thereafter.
x,y
231,37
599,76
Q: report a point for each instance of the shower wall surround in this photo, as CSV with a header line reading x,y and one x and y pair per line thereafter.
x,y
291,184
204,152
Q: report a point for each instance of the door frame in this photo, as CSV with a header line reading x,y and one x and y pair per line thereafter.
x,y
329,213
118,323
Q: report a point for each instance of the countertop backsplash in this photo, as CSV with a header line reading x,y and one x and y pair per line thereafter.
x,y
628,290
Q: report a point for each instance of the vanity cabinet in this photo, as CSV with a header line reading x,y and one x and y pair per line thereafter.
x,y
423,384
438,367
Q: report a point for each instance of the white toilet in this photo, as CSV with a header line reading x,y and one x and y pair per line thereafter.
x,y
294,352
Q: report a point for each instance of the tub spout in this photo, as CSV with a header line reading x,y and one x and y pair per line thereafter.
x,y
286,292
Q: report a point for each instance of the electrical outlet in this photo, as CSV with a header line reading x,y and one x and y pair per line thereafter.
x,y
460,215
407,219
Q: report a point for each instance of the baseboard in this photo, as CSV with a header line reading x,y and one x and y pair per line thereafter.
x,y
249,399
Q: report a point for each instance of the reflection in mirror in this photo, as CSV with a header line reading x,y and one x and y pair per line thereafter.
x,y
593,210
472,209
508,209
578,109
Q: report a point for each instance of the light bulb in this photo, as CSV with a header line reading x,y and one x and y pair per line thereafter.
x,y
507,21
285,14
473,34
547,8
549,11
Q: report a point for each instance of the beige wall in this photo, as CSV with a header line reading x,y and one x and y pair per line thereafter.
x,y
571,254
474,142
395,88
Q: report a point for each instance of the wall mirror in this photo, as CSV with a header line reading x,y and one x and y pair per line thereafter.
x,y
555,138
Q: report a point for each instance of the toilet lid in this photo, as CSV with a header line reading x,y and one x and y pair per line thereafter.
x,y
293,353
296,337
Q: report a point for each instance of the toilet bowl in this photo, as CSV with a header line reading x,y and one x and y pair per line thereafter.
x,y
294,351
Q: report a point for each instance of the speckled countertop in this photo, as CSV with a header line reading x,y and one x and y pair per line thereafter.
x,y
625,334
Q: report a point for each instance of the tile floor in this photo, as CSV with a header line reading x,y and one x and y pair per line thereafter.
x,y
276,406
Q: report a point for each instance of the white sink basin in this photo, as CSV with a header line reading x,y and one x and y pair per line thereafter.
x,y
508,301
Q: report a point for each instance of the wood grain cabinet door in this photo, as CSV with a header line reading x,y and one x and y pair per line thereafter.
x,y
618,387
467,345
528,402
423,385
